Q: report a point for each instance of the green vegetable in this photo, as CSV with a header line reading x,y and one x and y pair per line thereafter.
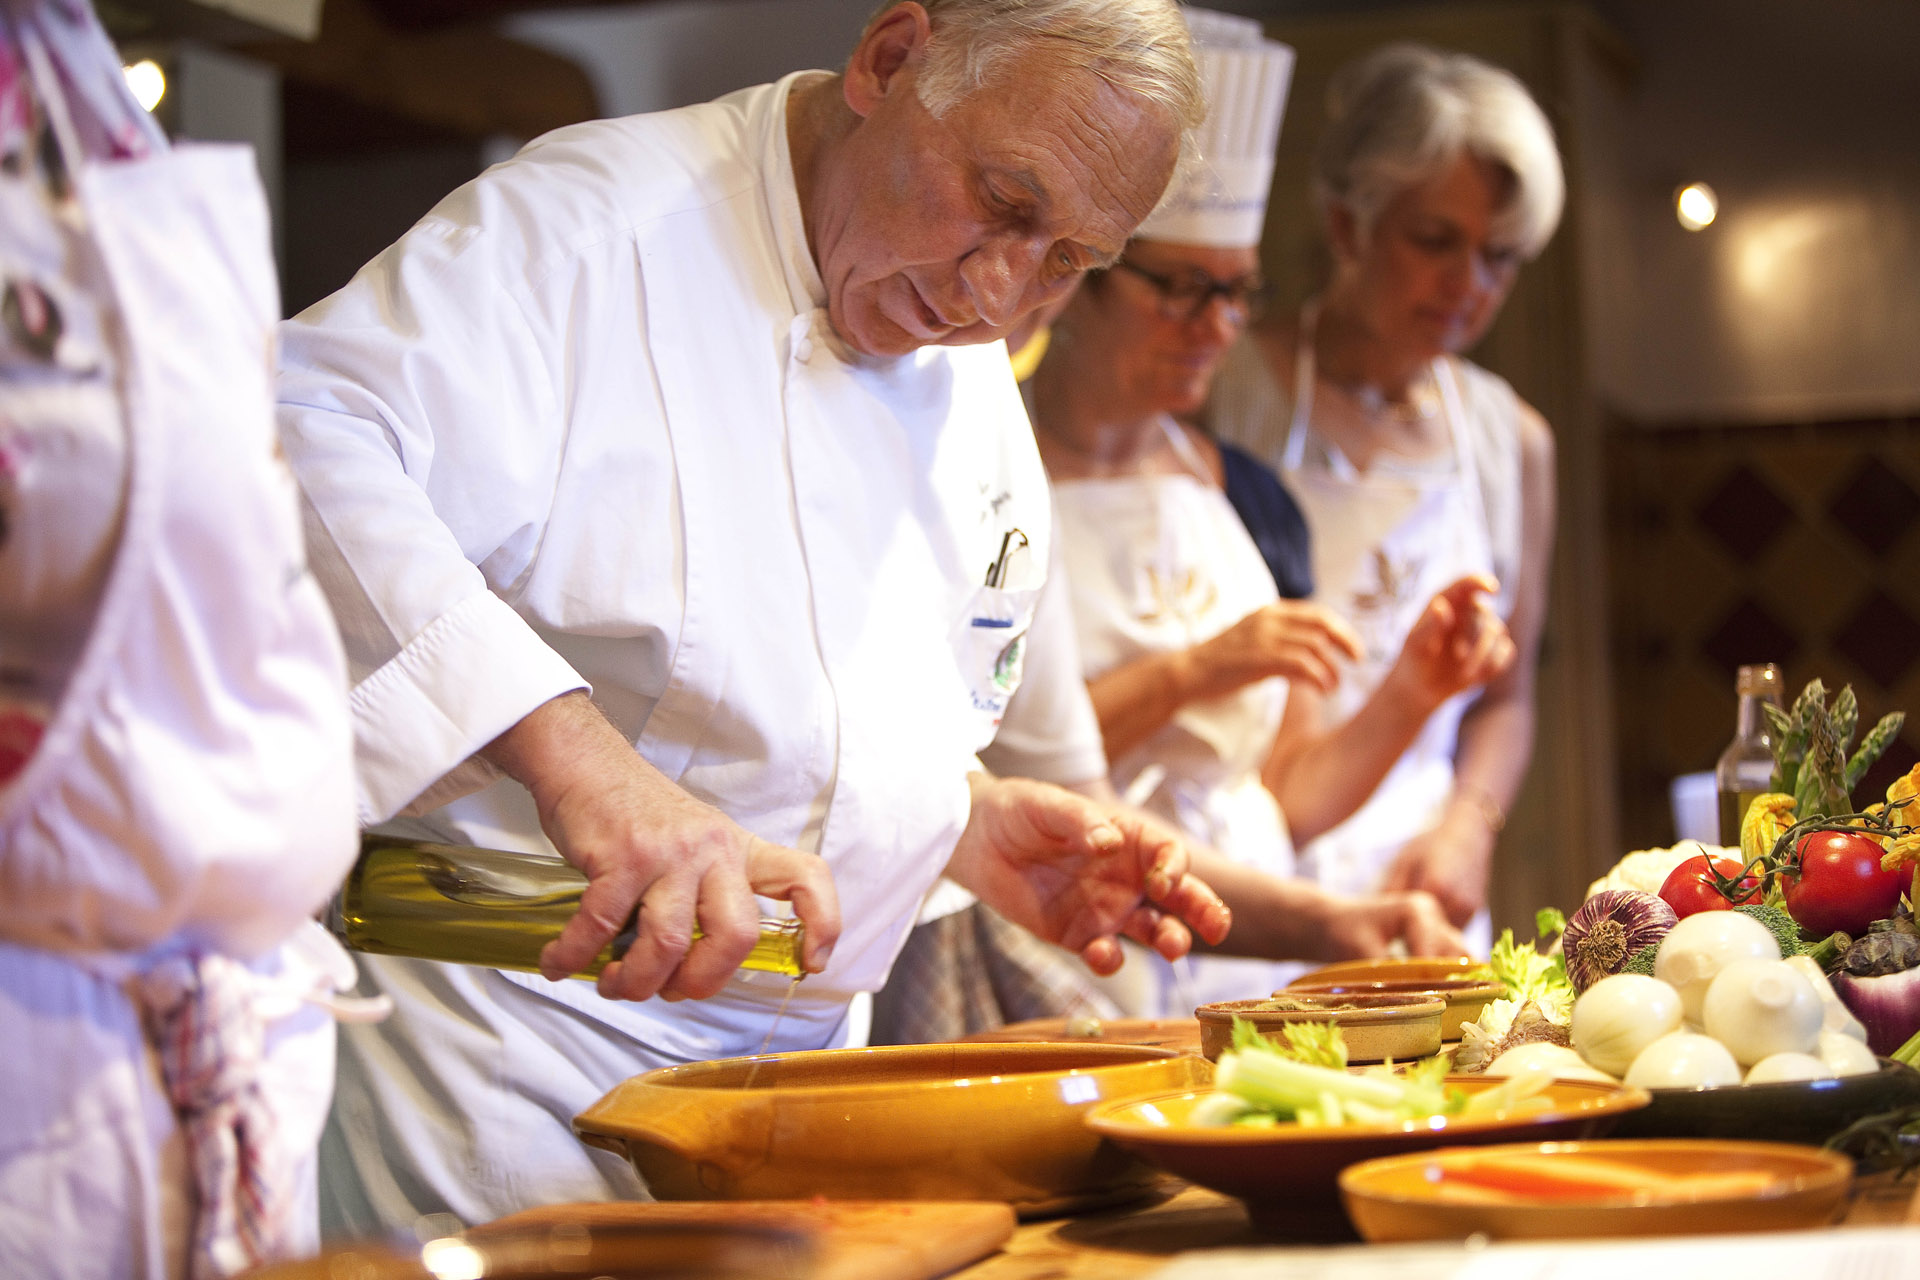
x,y
1265,1082
1528,975
1641,961
1779,924
1811,744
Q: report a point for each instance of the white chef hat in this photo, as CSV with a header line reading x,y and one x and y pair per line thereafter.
x,y
1218,197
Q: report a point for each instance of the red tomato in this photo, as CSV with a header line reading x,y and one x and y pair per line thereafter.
x,y
1689,888
1840,885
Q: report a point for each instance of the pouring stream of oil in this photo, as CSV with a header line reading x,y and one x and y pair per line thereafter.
x,y
779,1013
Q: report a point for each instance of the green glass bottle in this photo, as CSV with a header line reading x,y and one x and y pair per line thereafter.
x,y
488,907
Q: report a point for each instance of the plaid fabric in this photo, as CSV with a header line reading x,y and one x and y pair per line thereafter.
x,y
202,1017
973,971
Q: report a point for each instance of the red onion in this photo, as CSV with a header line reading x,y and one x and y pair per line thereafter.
x,y
1608,928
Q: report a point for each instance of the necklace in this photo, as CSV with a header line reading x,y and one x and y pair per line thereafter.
x,y
1422,404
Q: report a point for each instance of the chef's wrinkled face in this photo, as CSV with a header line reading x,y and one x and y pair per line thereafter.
x,y
950,230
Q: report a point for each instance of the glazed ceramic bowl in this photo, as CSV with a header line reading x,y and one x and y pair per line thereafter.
x,y
1399,969
1465,997
1607,1188
1375,1027
1809,1111
907,1122
1287,1173
1179,1034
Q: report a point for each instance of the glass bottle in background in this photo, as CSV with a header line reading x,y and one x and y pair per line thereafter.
x,y
1745,768
487,907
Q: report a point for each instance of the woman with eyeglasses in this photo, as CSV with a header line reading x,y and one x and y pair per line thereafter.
x,y
1436,178
1208,684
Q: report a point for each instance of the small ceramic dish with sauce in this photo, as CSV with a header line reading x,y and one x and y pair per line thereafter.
x,y
1465,996
1375,1027
984,1121
1551,1190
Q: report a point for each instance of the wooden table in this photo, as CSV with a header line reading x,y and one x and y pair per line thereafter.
x,y
1134,1242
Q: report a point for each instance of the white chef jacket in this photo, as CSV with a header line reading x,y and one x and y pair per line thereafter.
x,y
587,424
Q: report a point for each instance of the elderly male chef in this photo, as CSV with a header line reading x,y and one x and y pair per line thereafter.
x,y
705,411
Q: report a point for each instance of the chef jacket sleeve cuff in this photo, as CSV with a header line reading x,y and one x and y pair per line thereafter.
x,y
471,675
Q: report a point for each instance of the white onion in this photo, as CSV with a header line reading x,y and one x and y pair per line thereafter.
x,y
1758,1008
1695,950
1618,1016
1846,1055
1776,1067
1539,1055
1684,1060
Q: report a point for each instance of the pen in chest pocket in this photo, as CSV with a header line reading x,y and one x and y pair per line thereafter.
x,y
1014,540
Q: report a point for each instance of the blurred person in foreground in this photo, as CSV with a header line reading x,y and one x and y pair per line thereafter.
x,y
1209,686
1436,178
707,410
175,763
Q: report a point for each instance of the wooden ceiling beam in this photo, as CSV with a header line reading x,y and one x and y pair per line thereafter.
x,y
466,79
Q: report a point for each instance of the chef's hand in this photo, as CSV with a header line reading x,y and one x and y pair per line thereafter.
x,y
1290,638
1451,861
1077,873
1366,928
643,842
1457,643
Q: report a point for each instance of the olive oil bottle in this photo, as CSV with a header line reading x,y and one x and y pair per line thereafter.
x,y
1745,768
488,907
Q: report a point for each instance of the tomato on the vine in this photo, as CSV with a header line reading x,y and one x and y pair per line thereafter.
x,y
1841,885
1689,888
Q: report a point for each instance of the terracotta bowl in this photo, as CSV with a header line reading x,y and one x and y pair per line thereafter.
x,y
632,1251
1179,1034
1465,997
1375,1028
1287,1173
906,1122
1398,969
1446,1194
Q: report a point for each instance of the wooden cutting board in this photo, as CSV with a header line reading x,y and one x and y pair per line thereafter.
x,y
853,1239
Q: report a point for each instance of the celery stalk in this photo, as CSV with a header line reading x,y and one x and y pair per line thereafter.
x,y
1281,1084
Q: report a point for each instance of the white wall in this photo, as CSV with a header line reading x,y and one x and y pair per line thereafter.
x,y
1802,302
679,51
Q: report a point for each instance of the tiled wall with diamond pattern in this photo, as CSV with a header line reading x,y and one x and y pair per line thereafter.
x,y
1792,544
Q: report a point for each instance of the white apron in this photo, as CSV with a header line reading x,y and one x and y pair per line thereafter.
x,y
1157,564
1385,541
187,803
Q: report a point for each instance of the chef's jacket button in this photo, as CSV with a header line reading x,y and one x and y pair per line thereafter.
x,y
803,350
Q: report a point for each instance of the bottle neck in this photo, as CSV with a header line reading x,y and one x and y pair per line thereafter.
x,y
1751,724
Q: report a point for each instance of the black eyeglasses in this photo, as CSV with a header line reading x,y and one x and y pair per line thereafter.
x,y
1186,297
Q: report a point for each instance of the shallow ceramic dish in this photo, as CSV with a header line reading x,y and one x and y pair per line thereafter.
x,y
1375,1028
907,1122
1465,997
1179,1034
630,1251
1287,1174
1398,969
1609,1188
1809,1111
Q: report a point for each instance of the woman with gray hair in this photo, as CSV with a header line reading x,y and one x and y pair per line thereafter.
x,y
1436,178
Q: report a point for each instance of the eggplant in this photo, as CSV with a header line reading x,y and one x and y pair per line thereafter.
x,y
1608,929
1879,982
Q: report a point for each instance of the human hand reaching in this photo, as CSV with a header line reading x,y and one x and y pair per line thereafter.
x,y
1457,643
1079,873
1294,639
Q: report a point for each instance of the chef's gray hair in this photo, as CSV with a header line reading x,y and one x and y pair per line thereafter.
x,y
1138,46
1399,115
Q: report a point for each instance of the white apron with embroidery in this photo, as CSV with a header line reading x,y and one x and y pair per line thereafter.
x,y
1157,564
1385,541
